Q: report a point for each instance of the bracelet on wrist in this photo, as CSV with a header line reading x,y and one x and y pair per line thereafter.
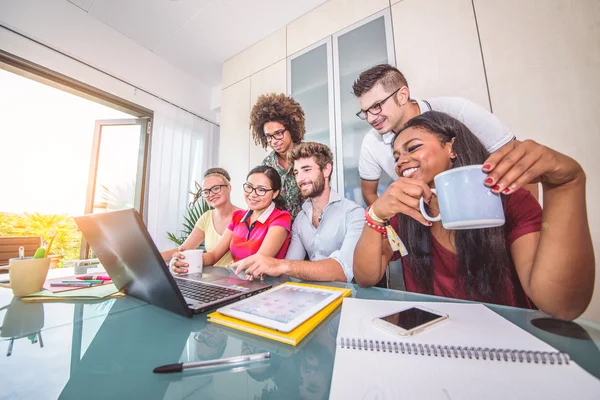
x,y
379,229
374,216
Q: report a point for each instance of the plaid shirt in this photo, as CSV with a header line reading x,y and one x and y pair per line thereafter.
x,y
289,188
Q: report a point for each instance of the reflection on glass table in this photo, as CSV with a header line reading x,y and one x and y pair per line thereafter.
x,y
22,320
121,345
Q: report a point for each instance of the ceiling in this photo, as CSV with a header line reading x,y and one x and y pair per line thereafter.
x,y
196,36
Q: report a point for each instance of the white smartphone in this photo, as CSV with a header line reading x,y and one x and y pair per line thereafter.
x,y
410,321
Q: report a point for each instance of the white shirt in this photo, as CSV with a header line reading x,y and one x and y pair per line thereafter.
x,y
336,236
376,153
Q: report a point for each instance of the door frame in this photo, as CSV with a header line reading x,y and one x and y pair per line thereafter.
x,y
142,177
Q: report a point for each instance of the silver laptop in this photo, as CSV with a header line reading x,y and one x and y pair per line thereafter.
x,y
123,245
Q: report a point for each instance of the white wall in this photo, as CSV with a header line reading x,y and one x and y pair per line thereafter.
x,y
543,65
68,28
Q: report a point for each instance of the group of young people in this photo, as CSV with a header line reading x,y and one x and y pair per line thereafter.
x,y
295,224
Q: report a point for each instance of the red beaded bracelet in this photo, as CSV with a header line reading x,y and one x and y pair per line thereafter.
x,y
379,229
370,220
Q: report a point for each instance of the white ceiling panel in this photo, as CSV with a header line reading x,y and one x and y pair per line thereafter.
x,y
147,22
197,35
219,29
272,14
193,58
83,4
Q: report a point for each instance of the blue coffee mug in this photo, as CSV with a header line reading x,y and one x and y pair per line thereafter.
x,y
465,202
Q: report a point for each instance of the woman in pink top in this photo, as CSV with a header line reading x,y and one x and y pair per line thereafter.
x,y
264,228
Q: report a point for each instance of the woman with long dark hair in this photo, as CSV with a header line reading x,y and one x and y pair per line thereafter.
x,y
537,259
264,228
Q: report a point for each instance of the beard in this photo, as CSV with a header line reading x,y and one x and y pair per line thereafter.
x,y
318,187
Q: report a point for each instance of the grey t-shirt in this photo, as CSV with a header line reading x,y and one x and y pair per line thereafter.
x,y
376,151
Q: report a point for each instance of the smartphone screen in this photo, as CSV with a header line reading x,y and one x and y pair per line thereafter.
x,y
410,318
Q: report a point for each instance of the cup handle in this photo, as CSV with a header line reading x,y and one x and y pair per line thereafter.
x,y
6,285
424,213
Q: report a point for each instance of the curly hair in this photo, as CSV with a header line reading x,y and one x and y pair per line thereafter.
x,y
280,108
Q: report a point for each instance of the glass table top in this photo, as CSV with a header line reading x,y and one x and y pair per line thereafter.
x,y
109,349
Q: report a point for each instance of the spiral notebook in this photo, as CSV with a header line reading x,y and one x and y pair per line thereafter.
x,y
475,354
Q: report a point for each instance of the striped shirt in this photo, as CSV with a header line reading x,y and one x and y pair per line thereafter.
x,y
248,237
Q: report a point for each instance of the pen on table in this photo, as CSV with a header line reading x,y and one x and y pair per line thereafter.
x,y
85,281
222,362
79,284
93,277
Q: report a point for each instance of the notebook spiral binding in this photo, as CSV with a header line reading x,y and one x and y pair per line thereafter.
x,y
477,353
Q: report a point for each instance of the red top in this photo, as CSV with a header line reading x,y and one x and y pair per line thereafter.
x,y
248,237
523,215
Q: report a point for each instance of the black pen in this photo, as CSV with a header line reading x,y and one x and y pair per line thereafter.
x,y
221,362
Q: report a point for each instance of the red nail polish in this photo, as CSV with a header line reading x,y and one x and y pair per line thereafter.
x,y
496,188
506,190
489,180
486,166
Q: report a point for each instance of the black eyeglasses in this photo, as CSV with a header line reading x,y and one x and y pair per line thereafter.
x,y
375,109
277,135
215,189
260,191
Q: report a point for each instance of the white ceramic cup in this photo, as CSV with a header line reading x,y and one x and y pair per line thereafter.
x,y
465,202
27,275
194,259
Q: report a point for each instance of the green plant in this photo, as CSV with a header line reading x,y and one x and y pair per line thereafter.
x,y
193,213
60,229
117,197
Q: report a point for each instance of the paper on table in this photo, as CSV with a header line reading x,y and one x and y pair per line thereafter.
x,y
381,375
94,292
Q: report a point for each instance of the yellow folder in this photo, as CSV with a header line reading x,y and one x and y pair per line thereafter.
x,y
295,336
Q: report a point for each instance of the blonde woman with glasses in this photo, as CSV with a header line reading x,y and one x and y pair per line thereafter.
x,y
216,189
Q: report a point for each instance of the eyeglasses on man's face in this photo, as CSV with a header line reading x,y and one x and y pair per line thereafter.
x,y
215,189
277,135
260,191
375,109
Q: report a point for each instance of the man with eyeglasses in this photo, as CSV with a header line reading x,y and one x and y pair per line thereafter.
x,y
327,229
277,121
386,105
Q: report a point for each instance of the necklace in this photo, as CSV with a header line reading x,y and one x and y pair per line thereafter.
x,y
319,215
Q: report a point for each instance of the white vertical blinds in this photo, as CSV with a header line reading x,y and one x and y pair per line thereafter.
x,y
183,146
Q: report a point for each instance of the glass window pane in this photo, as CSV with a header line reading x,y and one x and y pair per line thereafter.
x,y
309,87
358,50
117,168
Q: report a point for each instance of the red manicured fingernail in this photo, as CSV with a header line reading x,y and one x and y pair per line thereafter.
x,y
429,223
428,201
506,190
487,166
496,188
489,180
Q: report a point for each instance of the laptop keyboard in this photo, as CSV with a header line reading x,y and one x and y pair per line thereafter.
x,y
202,292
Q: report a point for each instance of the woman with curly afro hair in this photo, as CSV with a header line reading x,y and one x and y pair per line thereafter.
x,y
278,121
